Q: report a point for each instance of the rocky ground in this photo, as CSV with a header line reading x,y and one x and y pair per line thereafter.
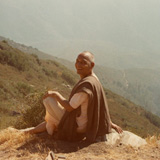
x,y
14,145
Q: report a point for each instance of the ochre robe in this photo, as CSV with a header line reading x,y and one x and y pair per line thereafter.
x,y
99,122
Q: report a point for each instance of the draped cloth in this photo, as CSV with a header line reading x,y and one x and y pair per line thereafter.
x,y
54,113
99,122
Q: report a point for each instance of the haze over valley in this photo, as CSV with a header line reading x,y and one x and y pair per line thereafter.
x,y
39,42
123,35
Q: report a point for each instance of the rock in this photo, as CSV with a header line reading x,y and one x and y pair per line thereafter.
x,y
126,138
113,138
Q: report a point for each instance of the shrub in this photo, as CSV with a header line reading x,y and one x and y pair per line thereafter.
x,y
50,73
24,88
15,59
46,71
29,76
53,63
34,114
68,77
4,41
153,118
37,59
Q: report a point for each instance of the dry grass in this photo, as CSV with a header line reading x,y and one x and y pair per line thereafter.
x,y
15,145
12,137
153,140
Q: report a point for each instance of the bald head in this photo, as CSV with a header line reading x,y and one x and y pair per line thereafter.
x,y
87,55
84,64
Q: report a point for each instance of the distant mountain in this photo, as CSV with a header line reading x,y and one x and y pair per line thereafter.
x,y
24,74
122,34
27,49
141,86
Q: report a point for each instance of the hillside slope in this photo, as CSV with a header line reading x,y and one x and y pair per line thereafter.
x,y
138,85
23,75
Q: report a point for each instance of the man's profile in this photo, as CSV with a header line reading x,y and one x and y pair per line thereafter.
x,y
86,112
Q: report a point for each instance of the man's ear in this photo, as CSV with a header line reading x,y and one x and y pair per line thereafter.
x,y
92,64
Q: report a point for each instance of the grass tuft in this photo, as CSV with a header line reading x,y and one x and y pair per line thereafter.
x,y
11,137
35,112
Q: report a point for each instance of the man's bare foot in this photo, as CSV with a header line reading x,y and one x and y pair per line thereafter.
x,y
28,130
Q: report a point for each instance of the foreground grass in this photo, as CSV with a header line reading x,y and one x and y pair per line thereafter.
x,y
16,145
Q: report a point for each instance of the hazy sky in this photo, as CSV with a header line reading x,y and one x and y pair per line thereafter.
x,y
59,27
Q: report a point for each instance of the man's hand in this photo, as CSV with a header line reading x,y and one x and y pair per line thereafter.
x,y
53,94
116,127
59,98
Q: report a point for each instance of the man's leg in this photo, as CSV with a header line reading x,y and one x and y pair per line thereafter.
x,y
54,113
38,129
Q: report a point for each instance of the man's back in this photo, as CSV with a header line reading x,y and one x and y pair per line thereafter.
x,y
98,114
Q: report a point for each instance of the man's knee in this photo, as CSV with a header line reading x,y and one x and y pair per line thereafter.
x,y
48,100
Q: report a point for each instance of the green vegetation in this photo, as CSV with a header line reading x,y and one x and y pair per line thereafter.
x,y
152,118
21,92
14,58
68,77
34,114
22,76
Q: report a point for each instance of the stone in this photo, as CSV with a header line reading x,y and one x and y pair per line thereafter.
x,y
126,138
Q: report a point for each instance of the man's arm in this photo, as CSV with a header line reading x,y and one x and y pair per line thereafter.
x,y
116,127
60,99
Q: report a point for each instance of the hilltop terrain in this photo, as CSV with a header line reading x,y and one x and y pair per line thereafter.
x,y
24,79
24,76
138,85
17,146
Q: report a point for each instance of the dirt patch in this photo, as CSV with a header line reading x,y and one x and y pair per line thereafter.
x,y
38,146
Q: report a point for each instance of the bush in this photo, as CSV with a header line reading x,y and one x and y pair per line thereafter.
x,y
153,118
35,112
68,77
4,41
37,59
50,73
15,59
29,76
5,91
24,88
53,63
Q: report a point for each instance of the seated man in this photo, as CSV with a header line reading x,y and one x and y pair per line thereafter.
x,y
86,112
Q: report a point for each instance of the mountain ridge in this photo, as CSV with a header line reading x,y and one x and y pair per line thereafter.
x,y
137,84
22,81
121,35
